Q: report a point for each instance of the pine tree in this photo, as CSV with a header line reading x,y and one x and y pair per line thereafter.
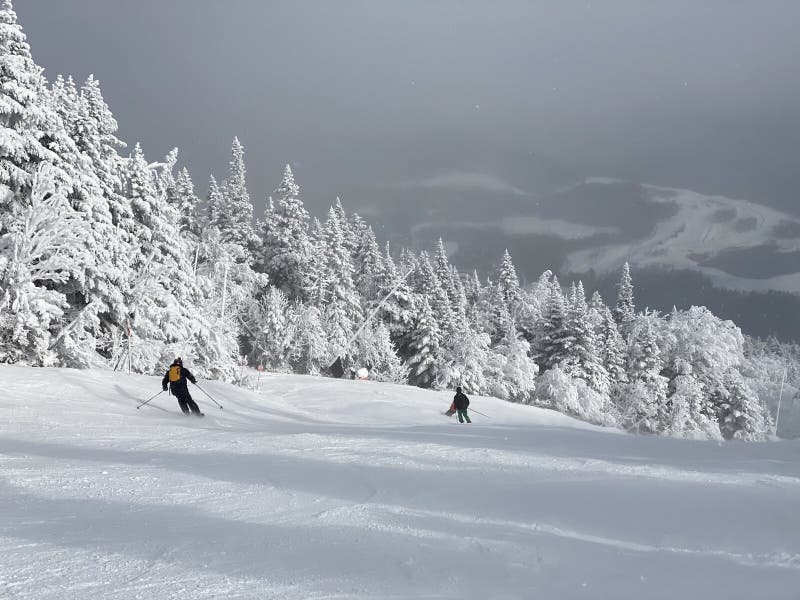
x,y
162,291
513,372
427,284
274,321
367,259
741,416
23,114
424,359
625,310
235,220
342,307
399,308
583,360
96,303
215,204
499,315
553,345
509,283
464,356
41,249
686,413
286,249
642,400
186,202
374,350
441,267
309,348
95,135
612,348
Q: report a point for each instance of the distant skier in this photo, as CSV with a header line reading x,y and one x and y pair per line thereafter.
x,y
461,403
176,377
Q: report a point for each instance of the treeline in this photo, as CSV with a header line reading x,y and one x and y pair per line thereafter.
x,y
108,259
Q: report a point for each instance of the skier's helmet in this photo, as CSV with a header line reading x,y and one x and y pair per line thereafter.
x,y
458,389
178,361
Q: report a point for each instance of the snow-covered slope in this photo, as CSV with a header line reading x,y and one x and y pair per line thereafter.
x,y
315,488
699,235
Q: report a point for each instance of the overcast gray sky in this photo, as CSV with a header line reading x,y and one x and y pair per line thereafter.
x,y
366,95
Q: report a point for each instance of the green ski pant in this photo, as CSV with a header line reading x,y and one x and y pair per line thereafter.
x,y
462,414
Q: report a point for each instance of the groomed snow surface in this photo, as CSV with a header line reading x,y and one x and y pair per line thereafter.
x,y
316,488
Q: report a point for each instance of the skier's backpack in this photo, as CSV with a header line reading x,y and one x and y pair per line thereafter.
x,y
175,373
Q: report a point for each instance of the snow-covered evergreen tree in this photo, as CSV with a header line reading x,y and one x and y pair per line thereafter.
x,y
214,203
309,350
612,348
285,249
556,389
625,310
373,350
399,308
424,350
273,321
342,309
367,259
235,217
427,284
514,374
187,203
43,246
441,267
553,343
463,360
509,282
741,415
641,401
583,359
23,112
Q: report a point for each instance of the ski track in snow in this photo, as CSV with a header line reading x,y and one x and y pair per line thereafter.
x,y
317,488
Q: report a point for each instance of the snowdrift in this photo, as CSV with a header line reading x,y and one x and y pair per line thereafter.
x,y
319,488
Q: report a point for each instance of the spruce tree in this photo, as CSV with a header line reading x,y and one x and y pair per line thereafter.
x,y
23,113
214,204
235,220
641,401
584,361
187,203
342,310
441,267
286,249
625,309
553,344
427,284
399,309
509,282
612,348
424,359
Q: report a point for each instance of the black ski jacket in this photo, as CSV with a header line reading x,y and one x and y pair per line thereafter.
x,y
179,385
460,401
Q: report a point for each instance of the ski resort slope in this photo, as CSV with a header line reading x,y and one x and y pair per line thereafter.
x,y
316,488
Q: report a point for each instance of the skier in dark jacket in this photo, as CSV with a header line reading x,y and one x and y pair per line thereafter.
x,y
461,403
176,377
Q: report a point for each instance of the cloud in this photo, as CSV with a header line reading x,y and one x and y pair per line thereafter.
x,y
523,226
552,227
467,181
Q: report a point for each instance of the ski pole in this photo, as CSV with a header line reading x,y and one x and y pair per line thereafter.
x,y
146,401
209,395
480,413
